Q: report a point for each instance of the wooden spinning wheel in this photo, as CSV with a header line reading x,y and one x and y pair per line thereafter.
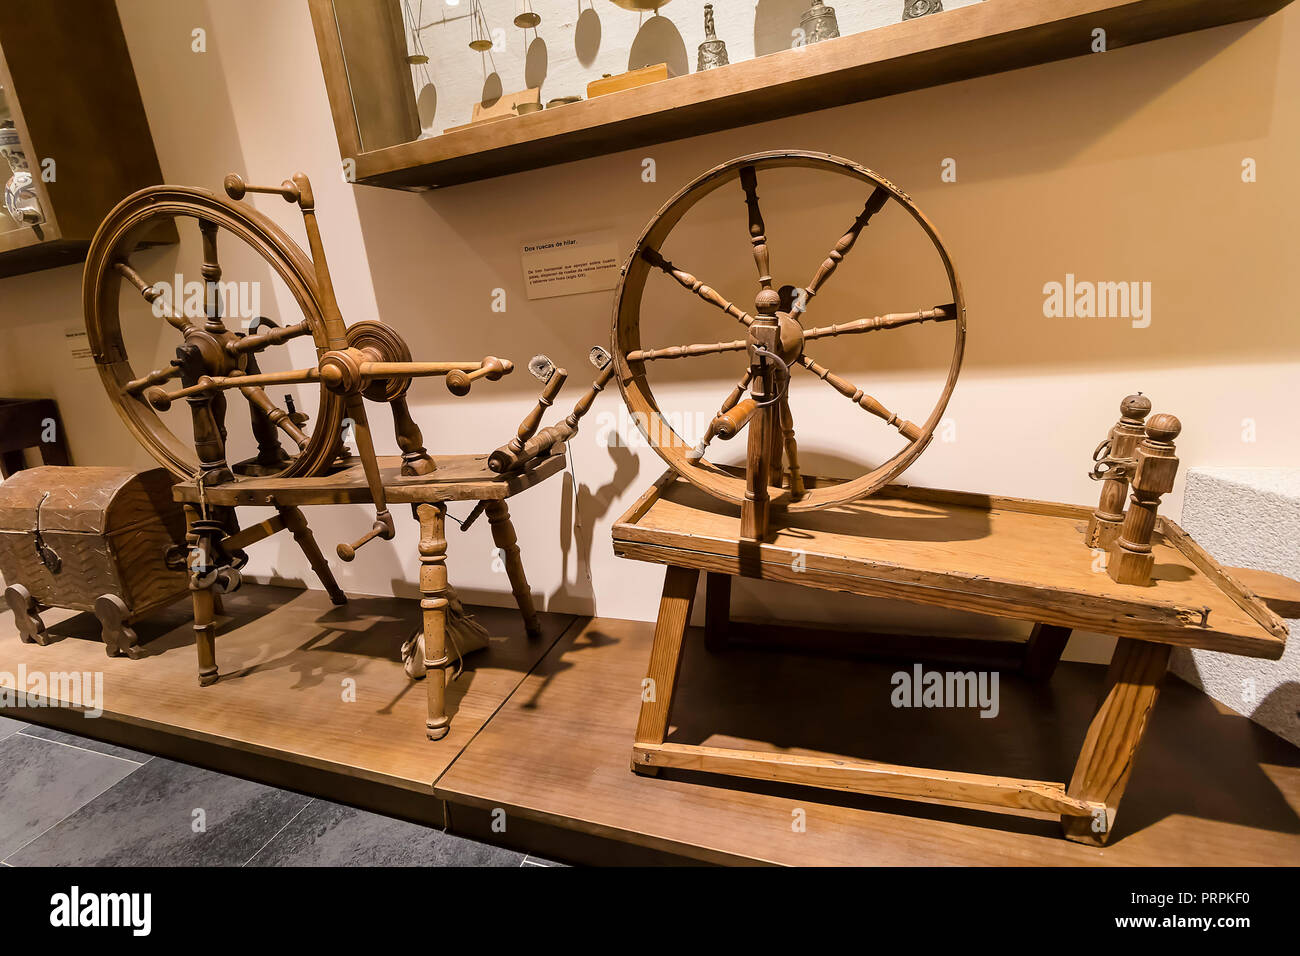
x,y
225,351
775,345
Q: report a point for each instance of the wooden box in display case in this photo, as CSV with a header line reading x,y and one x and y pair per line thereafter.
x,y
74,139
90,539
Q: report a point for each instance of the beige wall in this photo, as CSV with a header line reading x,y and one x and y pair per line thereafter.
x,y
1123,166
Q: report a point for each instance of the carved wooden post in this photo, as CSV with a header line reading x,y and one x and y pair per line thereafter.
x,y
1131,559
764,334
1118,468
433,606
504,537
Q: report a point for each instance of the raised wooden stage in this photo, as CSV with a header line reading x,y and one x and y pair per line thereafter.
x,y
543,730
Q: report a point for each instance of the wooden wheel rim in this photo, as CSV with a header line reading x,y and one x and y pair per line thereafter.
x,y
626,335
117,238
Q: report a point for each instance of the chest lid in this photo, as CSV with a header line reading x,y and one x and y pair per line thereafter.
x,y
86,500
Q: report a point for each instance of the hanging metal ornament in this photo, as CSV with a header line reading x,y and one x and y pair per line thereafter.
x,y
640,6
480,38
818,23
526,18
713,52
919,8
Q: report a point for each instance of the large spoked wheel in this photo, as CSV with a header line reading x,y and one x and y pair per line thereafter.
x,y
141,398
789,313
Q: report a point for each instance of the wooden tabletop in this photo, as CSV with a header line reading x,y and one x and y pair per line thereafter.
x,y
1009,557
457,478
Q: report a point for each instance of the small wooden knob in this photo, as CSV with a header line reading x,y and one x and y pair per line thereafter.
x,y
1136,407
1163,428
158,398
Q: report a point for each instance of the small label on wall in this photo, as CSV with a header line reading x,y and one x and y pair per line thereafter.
x,y
568,265
78,345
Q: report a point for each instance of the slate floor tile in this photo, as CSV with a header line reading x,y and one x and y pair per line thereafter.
x,y
10,726
330,834
86,743
149,820
42,782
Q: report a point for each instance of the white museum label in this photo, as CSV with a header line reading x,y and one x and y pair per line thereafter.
x,y
568,265
78,345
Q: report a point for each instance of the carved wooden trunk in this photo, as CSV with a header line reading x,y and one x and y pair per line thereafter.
x,y
90,539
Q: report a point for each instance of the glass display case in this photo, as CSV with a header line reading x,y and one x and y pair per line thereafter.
x,y
428,93
74,139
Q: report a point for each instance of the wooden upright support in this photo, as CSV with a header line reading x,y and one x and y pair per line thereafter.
x,y
1131,559
1119,462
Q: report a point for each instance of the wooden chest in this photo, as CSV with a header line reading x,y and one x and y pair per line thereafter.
x,y
90,539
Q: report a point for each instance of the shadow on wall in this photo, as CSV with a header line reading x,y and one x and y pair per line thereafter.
x,y
658,41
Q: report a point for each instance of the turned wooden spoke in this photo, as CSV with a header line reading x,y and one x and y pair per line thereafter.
x,y
757,231
686,351
150,293
156,377
874,204
894,320
211,270
688,281
856,395
280,418
697,453
258,341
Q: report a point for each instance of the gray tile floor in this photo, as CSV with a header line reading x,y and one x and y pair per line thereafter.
x,y
67,800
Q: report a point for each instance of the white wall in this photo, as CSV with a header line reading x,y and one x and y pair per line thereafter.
x,y
1119,166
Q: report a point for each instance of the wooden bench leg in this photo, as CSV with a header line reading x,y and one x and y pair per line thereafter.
x,y
205,635
433,608
1110,747
665,657
503,535
717,610
296,522
1043,652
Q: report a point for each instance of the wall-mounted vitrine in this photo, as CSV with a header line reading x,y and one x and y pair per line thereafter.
x,y
73,134
428,93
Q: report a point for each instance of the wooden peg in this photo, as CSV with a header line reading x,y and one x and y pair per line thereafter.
x,y
492,368
728,424
1114,467
502,457
1131,559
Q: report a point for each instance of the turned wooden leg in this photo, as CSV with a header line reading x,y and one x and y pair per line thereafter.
x,y
1109,749
717,610
115,627
665,658
296,522
503,535
31,629
433,608
1043,651
205,625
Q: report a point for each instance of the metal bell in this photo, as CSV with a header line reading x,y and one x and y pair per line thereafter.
x,y
919,8
713,52
818,23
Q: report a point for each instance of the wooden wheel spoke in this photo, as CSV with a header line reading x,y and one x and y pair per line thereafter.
x,y
156,377
720,419
875,202
856,395
894,320
150,293
211,271
757,231
692,284
686,351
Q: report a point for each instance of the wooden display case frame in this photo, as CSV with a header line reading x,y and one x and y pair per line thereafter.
x,y
72,92
974,40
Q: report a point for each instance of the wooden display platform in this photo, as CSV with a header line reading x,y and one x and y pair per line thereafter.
x,y
1010,557
286,655
1213,788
